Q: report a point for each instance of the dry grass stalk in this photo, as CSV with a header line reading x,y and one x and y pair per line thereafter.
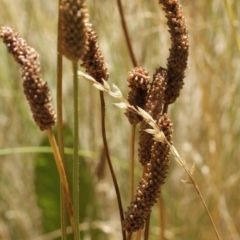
x,y
138,81
177,61
73,29
35,90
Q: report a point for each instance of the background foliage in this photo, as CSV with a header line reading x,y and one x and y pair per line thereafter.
x,y
206,122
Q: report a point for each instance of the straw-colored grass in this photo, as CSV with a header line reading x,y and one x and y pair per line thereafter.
x,y
205,120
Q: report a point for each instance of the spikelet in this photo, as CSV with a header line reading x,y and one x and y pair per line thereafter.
x,y
148,190
154,108
177,61
138,81
35,90
73,29
93,60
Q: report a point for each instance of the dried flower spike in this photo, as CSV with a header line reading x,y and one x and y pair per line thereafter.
x,y
73,29
177,61
148,189
35,89
155,100
93,60
138,81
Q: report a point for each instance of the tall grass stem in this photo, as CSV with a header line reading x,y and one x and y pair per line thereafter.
x,y
63,177
60,126
75,152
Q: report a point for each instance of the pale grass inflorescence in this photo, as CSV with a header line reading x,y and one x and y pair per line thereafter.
x,y
155,131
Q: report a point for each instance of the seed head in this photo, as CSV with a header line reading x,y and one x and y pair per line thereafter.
x,y
177,61
35,90
73,29
93,60
154,176
155,100
138,81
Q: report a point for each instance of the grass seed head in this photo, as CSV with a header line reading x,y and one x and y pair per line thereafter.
x,y
177,61
35,90
73,29
138,81
154,176
153,106
93,60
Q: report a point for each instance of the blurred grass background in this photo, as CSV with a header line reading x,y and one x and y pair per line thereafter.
x,y
206,122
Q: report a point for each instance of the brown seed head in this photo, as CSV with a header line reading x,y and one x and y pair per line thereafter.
x,y
154,176
73,25
93,60
138,81
155,98
177,61
35,89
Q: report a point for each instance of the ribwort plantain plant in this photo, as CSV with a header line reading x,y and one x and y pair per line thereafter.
x,y
146,105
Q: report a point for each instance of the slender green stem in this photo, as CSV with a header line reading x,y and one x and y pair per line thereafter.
x,y
60,125
75,153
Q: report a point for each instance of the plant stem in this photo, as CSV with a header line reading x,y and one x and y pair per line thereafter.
x,y
129,45
63,177
109,161
139,233
60,125
147,225
75,152
192,181
132,162
161,216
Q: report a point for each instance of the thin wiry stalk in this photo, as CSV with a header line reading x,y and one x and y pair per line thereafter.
x,y
132,161
161,216
60,125
63,177
192,181
109,160
75,153
126,34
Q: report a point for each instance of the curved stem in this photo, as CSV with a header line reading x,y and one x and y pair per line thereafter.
x,y
129,45
109,160
192,181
